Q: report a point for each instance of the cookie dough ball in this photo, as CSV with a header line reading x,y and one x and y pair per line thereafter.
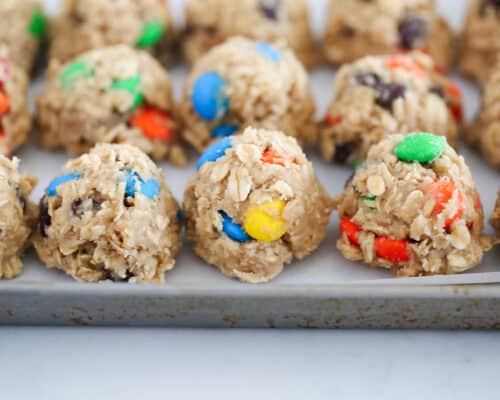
x,y
481,39
109,216
495,217
255,205
357,28
15,118
484,132
90,24
17,216
211,22
377,96
25,29
114,95
412,208
245,83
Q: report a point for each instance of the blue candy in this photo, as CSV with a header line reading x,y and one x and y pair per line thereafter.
x,y
179,215
214,152
234,231
133,182
268,51
60,180
224,130
209,98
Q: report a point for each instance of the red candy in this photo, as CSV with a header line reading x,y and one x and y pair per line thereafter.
x,y
154,124
332,120
350,229
4,103
270,157
395,251
442,190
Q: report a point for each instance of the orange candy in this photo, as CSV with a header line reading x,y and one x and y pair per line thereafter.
x,y
350,229
393,250
4,103
332,120
154,124
401,62
442,190
270,157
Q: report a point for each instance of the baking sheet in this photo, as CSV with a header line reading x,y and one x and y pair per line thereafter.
x,y
323,268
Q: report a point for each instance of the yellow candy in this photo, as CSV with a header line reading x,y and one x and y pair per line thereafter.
x,y
264,222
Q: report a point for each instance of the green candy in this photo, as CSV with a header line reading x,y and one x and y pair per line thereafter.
x,y
74,72
369,198
420,147
151,34
38,24
131,85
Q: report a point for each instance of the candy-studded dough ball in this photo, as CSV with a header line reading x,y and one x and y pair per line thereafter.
x,y
412,208
90,24
245,83
15,118
484,132
22,28
113,95
211,22
495,217
380,95
255,205
109,216
357,28
481,39
17,216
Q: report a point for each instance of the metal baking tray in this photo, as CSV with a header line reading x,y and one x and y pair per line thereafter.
x,y
322,291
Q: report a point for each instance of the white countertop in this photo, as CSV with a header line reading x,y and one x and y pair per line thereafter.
x,y
113,363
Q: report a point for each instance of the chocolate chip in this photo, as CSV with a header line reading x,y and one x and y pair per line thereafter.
x,y
77,18
489,4
347,31
438,91
343,151
388,93
45,219
270,9
79,206
412,30
368,79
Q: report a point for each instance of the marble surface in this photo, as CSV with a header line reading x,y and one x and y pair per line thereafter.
x,y
89,363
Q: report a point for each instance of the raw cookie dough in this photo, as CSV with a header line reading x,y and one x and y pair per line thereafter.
x,y
15,118
481,39
211,22
357,28
90,24
412,208
380,95
495,217
255,205
114,95
484,132
110,216
244,83
22,34
17,216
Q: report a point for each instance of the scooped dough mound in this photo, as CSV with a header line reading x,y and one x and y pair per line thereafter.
x,y
17,216
254,205
109,216
412,208
110,95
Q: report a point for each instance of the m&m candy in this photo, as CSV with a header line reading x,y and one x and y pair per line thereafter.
x,y
224,130
233,230
209,98
214,152
153,123
134,183
264,221
420,147
268,51
151,34
75,71
61,180
131,85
